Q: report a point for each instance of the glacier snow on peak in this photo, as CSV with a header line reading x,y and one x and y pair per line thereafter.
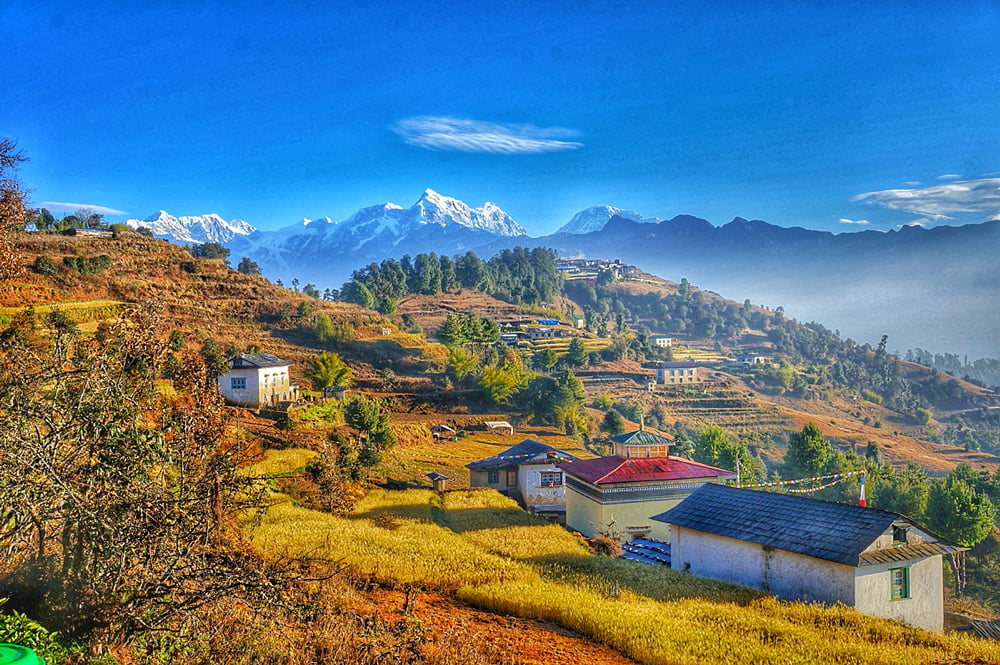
x,y
192,228
596,218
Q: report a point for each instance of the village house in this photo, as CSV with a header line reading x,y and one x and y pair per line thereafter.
x,y
619,494
257,380
799,548
752,359
662,341
679,372
526,471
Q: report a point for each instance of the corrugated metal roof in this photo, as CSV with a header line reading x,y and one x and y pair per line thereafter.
x,y
640,437
528,451
903,553
988,629
616,469
832,531
257,360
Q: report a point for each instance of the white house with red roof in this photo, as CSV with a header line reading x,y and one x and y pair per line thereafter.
x,y
621,493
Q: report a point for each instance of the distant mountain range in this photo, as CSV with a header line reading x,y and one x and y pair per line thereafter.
x,y
195,229
931,288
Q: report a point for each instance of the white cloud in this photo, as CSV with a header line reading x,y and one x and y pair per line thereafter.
x,y
462,135
860,222
920,221
949,176
938,202
73,207
912,183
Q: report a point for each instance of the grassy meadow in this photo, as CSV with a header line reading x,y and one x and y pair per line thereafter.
x,y
491,554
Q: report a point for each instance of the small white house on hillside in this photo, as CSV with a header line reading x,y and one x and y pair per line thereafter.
x,y
799,548
257,380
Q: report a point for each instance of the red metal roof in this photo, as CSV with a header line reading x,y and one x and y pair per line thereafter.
x,y
615,469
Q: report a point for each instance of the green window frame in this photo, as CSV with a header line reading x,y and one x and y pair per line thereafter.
x,y
899,583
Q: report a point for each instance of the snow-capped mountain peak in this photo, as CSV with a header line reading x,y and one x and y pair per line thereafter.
x,y
434,208
192,229
596,218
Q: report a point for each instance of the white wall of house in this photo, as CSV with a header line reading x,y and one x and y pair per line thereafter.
x,y
785,574
536,493
924,608
255,386
797,577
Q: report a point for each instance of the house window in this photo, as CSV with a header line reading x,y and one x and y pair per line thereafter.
x,y
551,478
512,478
899,580
493,477
238,383
899,535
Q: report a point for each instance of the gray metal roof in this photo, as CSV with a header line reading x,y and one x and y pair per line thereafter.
x,y
987,629
528,451
832,531
257,360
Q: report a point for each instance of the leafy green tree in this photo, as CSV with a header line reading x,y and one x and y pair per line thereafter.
x,y
45,266
461,363
545,359
958,512
808,451
248,267
211,250
499,383
576,354
370,418
903,491
359,294
216,362
328,369
612,423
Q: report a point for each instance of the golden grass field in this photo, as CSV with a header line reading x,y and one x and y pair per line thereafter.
x,y
483,548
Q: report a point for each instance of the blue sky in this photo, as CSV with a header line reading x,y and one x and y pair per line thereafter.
x,y
822,115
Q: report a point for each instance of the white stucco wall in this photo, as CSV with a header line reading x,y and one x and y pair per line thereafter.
x,y
249,396
925,606
533,493
256,393
785,574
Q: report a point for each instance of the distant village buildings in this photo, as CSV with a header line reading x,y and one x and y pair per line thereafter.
x,y
679,372
799,548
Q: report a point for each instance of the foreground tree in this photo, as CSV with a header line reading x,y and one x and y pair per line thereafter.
x,y
13,209
118,506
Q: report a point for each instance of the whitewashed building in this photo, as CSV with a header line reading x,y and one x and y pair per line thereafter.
x,y
799,548
257,380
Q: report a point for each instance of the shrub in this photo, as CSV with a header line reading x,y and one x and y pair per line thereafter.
x,y
45,266
16,628
607,546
